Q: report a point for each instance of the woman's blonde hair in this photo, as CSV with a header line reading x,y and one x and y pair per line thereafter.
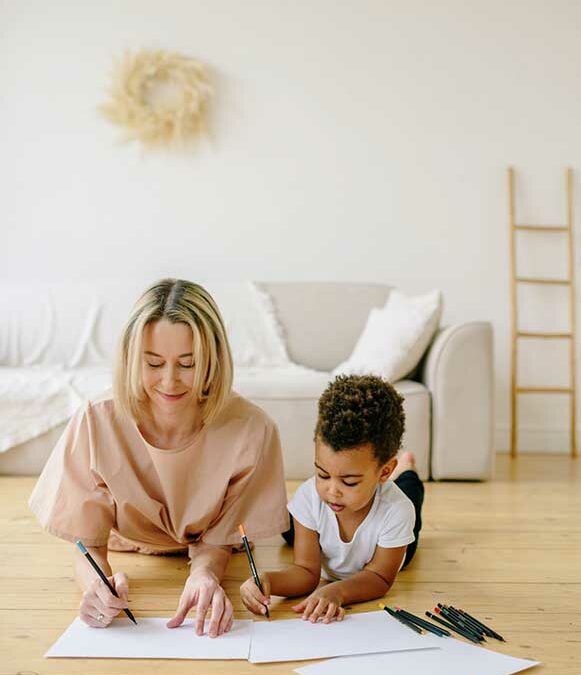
x,y
176,301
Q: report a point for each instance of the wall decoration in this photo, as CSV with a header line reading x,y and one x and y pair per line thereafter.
x,y
159,98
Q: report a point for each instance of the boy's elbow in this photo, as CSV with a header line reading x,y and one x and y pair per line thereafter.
x,y
312,578
383,583
313,582
384,589
312,586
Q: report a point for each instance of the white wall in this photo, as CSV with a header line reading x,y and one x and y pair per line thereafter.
x,y
359,140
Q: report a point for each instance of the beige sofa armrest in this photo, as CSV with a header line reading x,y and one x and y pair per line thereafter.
x,y
458,371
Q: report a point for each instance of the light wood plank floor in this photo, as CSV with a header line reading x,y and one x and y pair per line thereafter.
x,y
508,550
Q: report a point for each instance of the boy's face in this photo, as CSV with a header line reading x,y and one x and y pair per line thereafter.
x,y
346,480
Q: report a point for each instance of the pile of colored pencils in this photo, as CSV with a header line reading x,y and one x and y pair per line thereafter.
x,y
448,619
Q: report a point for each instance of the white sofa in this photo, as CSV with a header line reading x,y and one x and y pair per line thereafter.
x,y
448,399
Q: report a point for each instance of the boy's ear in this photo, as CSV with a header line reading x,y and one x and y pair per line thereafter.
x,y
387,469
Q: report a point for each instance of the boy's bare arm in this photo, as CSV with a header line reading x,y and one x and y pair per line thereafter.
x,y
300,578
374,580
304,574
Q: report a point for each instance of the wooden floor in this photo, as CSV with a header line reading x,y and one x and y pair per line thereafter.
x,y
508,550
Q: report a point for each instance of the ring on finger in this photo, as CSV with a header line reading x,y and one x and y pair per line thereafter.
x,y
100,617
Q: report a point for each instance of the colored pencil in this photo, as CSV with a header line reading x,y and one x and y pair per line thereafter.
x,y
469,623
453,615
403,621
456,629
252,565
485,628
422,623
458,622
102,576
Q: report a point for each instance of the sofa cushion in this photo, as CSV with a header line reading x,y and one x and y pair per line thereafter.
x,y
290,382
395,337
322,320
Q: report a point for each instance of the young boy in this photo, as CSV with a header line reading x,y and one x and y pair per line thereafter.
x,y
354,527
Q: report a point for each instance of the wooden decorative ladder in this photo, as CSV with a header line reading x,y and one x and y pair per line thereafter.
x,y
517,335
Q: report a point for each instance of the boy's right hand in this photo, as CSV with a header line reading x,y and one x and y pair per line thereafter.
x,y
251,596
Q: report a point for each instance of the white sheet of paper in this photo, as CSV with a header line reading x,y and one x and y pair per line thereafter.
x,y
296,640
453,658
150,639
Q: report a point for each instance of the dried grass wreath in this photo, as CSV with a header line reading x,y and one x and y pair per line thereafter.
x,y
159,98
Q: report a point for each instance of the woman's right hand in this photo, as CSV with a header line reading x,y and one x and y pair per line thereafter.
x,y
99,606
251,596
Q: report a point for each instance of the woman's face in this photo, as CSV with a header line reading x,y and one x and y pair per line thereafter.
x,y
168,366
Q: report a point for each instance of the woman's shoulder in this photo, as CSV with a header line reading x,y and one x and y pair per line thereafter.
x,y
95,408
100,412
238,408
103,402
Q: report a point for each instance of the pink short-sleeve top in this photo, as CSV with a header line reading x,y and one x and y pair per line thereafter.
x,y
104,484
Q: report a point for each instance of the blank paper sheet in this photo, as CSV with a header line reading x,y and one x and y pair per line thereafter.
x,y
150,639
296,640
453,658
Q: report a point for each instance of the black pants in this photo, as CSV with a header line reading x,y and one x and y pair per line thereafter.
x,y
410,484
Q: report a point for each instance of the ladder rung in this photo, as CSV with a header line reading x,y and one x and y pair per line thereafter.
x,y
567,336
538,280
544,390
565,226
542,228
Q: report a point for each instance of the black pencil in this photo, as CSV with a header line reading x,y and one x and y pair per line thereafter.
x,y
455,617
401,619
489,631
452,618
102,576
252,565
440,632
469,623
456,629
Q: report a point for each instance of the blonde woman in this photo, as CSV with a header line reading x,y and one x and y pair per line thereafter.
x,y
174,460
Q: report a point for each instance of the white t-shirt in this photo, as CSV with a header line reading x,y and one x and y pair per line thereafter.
x,y
389,524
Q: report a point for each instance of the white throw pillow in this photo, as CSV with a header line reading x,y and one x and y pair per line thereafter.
x,y
255,336
395,337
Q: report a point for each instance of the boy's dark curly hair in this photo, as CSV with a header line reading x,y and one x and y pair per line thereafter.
x,y
359,409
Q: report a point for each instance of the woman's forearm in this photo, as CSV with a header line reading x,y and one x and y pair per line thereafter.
x,y
84,573
293,581
209,558
364,585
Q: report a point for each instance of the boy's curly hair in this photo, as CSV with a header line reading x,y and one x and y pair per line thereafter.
x,y
359,409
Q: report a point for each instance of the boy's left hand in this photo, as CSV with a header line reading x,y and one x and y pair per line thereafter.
x,y
323,603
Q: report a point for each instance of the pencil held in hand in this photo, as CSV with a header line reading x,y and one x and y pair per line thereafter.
x,y
252,565
102,576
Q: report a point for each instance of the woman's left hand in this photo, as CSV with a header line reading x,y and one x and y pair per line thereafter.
x,y
203,591
323,603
